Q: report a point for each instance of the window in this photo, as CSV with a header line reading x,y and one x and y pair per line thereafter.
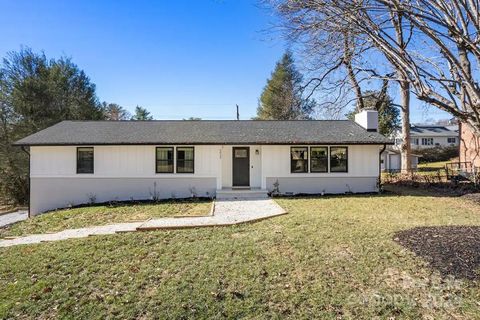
x,y
318,159
185,160
338,159
451,140
241,153
85,160
427,141
298,159
164,160
415,141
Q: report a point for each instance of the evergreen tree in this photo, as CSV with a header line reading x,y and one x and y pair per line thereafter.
x,y
141,114
281,98
36,92
388,112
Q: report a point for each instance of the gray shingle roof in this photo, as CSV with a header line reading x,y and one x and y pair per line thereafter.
x,y
431,131
204,132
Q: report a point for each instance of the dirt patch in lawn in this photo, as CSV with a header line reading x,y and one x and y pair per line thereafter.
x,y
452,250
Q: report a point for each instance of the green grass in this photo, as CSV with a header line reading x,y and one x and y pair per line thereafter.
x,y
106,214
330,257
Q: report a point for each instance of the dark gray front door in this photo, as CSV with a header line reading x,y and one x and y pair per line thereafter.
x,y
241,167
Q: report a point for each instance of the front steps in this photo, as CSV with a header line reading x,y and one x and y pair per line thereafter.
x,y
241,193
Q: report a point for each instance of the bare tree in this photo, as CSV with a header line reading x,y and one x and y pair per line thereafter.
x,y
115,112
432,45
442,68
327,33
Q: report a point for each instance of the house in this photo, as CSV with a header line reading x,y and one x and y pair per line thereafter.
x,y
75,162
430,136
469,146
391,160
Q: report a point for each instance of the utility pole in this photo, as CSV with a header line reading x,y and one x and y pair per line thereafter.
x,y
238,113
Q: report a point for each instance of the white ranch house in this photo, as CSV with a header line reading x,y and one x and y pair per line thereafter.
x,y
74,162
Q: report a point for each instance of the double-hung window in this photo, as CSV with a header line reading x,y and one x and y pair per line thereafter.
x,y
451,140
338,159
185,160
299,159
85,160
427,141
318,159
164,160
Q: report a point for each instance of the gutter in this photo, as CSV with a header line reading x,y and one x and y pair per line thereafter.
x,y
380,167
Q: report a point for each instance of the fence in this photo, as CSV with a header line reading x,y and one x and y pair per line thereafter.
x,y
453,172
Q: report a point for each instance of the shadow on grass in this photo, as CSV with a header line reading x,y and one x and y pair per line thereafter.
x,y
399,189
429,190
452,250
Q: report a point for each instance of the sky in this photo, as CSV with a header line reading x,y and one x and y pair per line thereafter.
x,y
179,59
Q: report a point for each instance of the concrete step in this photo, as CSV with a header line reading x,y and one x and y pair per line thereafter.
x,y
232,194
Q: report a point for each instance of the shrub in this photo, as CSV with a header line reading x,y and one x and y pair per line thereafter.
x,y
437,153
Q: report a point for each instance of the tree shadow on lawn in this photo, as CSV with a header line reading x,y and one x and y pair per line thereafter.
x,y
452,250
430,190
394,189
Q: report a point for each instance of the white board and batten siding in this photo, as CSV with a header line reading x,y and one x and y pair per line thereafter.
x,y
362,175
128,172
116,162
120,173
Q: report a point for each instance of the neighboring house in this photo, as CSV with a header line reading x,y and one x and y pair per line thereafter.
x,y
391,160
430,136
74,162
469,146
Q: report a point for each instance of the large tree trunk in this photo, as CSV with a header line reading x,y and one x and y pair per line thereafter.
x,y
405,147
347,61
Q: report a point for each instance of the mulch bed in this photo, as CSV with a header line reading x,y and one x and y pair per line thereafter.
x,y
452,250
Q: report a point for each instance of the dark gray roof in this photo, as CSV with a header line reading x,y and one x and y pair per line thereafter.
x,y
432,130
204,132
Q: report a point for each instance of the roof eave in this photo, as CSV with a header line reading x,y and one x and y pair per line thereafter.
x,y
20,144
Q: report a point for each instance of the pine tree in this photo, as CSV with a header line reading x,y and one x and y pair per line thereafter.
x,y
141,114
281,98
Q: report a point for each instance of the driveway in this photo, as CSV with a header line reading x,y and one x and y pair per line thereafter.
x,y
9,218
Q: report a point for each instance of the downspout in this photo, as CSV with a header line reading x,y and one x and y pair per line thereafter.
x,y
380,168
29,180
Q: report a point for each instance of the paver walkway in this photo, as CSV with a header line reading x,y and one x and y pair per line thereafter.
x,y
12,217
226,212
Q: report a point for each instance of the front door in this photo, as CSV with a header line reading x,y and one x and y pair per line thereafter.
x,y
241,167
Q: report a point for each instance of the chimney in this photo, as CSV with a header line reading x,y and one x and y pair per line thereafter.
x,y
368,119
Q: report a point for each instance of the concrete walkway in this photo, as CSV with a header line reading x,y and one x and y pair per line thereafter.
x,y
226,212
12,217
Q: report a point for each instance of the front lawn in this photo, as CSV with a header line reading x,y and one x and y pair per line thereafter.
x,y
106,214
330,257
